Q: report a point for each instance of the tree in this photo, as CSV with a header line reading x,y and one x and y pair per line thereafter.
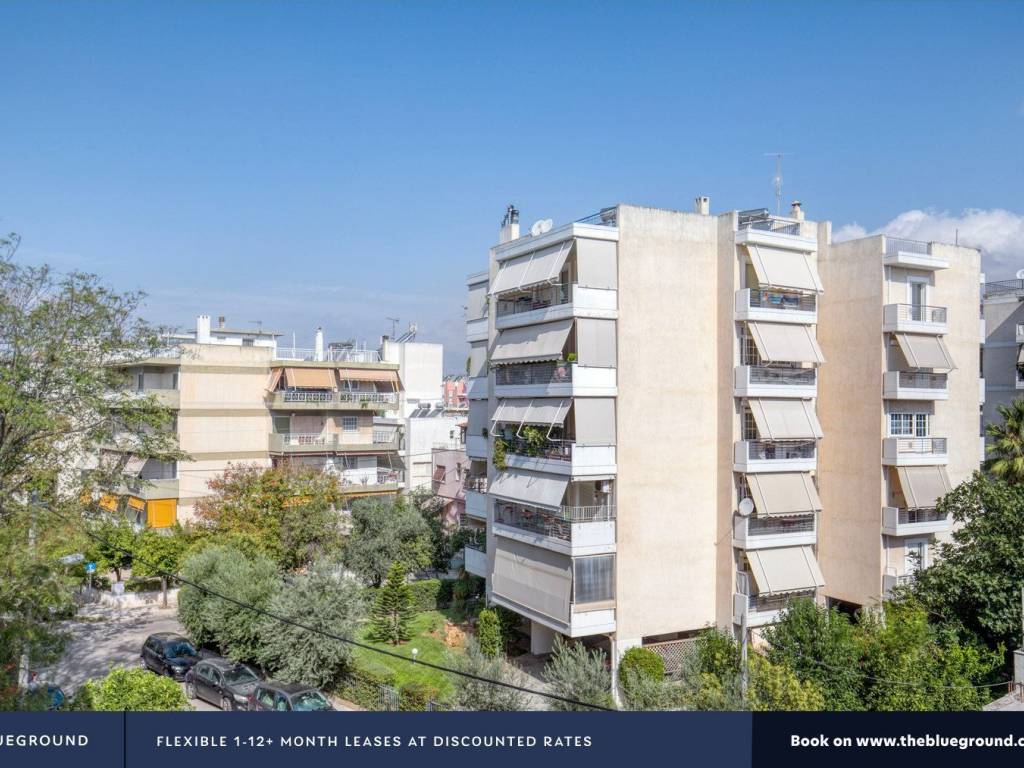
x,y
821,647
776,687
208,617
476,695
386,531
323,599
488,632
974,587
131,690
392,611
288,514
1005,451
113,545
158,553
574,672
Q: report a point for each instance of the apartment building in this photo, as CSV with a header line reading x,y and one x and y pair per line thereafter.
x,y
642,428
1003,353
241,398
899,403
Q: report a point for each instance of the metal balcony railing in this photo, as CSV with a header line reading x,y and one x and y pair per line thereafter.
x,y
382,477
539,297
557,525
920,313
533,374
606,217
1003,287
775,526
480,545
920,445
285,441
794,377
778,450
800,302
330,397
894,245
913,380
762,220
556,451
332,355
476,484
910,516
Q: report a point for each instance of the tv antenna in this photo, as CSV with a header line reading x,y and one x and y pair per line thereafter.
x,y
777,181
394,325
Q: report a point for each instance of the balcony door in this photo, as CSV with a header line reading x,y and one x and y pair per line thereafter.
x,y
915,555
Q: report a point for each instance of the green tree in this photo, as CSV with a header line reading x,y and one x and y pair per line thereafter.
x,y
158,553
386,531
113,546
288,514
574,672
323,599
392,611
1005,449
821,647
473,695
488,632
131,690
775,688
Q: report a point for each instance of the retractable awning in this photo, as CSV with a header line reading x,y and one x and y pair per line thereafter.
x,y
922,487
785,343
786,569
275,378
310,378
545,411
534,578
541,266
1020,354
783,493
530,488
781,268
779,419
923,351
532,343
368,374
134,465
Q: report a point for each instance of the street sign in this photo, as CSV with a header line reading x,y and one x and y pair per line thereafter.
x,y
90,567
72,559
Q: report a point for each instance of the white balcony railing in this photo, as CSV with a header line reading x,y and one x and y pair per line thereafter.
x,y
917,318
767,381
776,306
912,385
298,442
898,251
775,455
344,355
914,451
764,532
898,521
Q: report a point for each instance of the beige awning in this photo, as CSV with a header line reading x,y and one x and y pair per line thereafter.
x,y
541,266
783,493
785,343
541,410
532,488
921,351
922,487
310,378
368,374
134,465
779,419
780,268
594,419
532,577
532,343
275,378
786,569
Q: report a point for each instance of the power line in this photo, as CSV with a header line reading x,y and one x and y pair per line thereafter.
x,y
307,628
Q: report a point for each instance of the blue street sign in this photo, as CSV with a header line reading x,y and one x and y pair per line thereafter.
x,y
90,567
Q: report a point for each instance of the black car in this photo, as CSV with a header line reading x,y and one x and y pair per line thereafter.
x,y
287,697
167,653
223,682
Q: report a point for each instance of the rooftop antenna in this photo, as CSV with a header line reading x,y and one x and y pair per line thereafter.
x,y
778,177
394,325
259,325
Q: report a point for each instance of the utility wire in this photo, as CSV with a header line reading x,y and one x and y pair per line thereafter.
x,y
307,628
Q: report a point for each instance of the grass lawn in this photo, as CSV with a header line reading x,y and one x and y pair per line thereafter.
x,y
428,639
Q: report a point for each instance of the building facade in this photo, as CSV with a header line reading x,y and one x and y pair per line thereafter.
x,y
1003,353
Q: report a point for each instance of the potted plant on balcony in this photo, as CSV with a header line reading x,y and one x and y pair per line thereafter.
x,y
535,440
498,455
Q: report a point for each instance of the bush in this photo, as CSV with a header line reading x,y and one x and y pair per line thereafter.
x,y
445,590
413,697
643,662
574,672
426,595
488,633
130,690
474,695
362,682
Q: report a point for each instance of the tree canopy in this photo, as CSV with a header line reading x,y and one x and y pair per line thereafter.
x,y
1005,449
385,531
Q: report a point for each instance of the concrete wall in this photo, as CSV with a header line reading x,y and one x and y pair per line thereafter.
x,y
421,368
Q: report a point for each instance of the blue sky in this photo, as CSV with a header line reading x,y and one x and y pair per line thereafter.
x,y
311,163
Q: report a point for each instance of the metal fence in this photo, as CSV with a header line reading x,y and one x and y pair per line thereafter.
x,y
606,217
532,373
913,380
894,245
764,221
774,450
920,313
800,302
760,374
536,298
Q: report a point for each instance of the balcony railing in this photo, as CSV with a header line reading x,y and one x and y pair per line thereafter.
x,y
553,451
764,221
920,313
913,380
911,516
794,377
533,374
778,450
606,217
920,445
894,245
382,477
332,355
536,298
779,526
297,441
557,525
330,398
476,484
789,300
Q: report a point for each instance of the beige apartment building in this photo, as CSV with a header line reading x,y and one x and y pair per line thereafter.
x,y
643,429
240,398
899,403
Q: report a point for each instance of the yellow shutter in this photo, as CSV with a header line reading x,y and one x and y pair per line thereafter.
x,y
109,502
161,513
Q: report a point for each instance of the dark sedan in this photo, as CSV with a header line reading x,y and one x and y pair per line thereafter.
x,y
222,682
167,653
287,697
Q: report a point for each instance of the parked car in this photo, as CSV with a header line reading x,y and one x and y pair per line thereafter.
x,y
167,653
287,697
220,681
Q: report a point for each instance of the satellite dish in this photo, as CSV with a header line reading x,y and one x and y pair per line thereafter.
x,y
1020,274
745,507
540,226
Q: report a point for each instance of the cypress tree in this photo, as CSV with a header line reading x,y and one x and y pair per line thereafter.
x,y
393,609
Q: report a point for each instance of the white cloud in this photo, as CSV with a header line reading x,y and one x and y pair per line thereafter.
x,y
997,232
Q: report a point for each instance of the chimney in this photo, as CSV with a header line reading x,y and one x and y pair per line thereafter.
x,y
318,345
220,321
203,329
509,225
796,211
702,205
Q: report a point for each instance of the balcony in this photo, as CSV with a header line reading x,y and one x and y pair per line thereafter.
x,y
761,228
913,451
573,530
476,447
475,559
476,330
326,442
319,400
476,388
375,480
555,302
151,489
892,578
908,385
340,355
775,456
912,522
899,252
759,610
168,398
768,381
553,379
476,497
560,458
914,318
776,306
761,532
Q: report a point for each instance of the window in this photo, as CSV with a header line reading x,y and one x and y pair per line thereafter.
x,y
749,425
349,423
748,350
593,579
141,385
908,424
248,342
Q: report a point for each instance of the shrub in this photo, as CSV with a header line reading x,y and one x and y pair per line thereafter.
x,y
426,595
488,633
131,690
643,662
362,683
574,672
414,696
474,695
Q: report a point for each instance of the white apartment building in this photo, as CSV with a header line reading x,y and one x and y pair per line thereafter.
x,y
1003,354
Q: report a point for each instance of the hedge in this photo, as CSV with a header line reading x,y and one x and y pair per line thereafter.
x,y
414,697
362,681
